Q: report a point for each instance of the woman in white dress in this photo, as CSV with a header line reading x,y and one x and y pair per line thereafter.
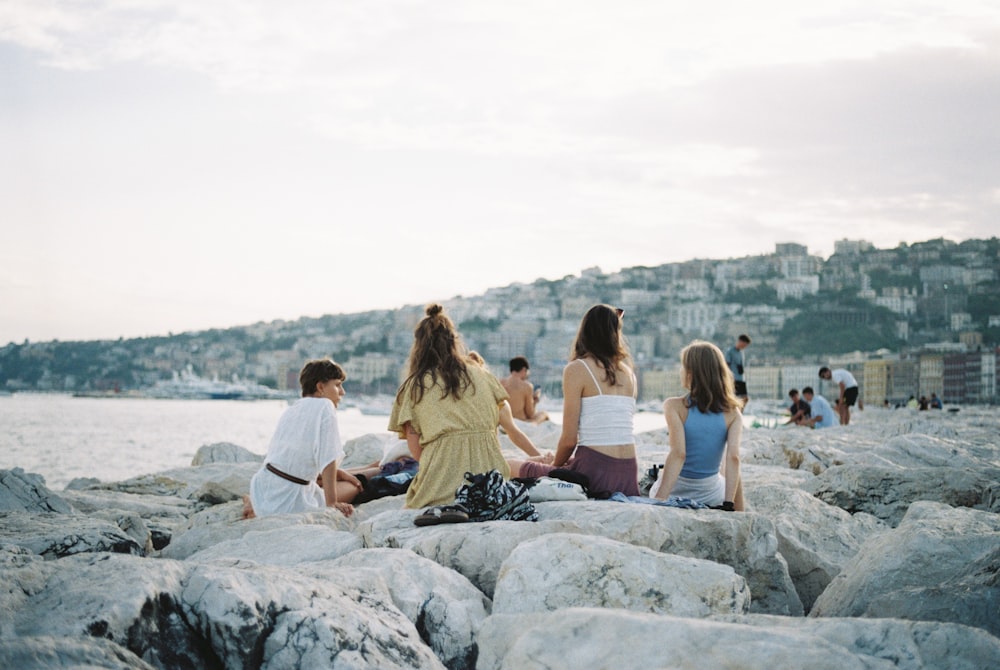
x,y
306,449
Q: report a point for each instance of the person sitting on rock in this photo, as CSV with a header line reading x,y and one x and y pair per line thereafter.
x,y
823,415
599,390
447,409
705,428
306,446
523,396
800,409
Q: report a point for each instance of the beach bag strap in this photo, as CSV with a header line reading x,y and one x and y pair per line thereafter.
x,y
489,497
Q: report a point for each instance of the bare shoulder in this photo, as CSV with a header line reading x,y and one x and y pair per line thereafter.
x,y
674,405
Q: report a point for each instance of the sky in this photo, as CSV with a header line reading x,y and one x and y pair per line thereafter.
x,y
177,165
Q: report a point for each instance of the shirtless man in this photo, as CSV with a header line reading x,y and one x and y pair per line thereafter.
x,y
522,394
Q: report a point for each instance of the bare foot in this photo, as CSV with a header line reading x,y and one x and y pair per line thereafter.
x,y
248,508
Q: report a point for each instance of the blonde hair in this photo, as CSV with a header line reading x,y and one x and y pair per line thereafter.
x,y
710,380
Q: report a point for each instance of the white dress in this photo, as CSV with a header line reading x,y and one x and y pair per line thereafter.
x,y
306,440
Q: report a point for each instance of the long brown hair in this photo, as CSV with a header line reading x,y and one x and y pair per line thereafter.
x,y
437,353
600,336
711,381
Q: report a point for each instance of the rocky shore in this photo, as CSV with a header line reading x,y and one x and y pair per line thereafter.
x,y
872,546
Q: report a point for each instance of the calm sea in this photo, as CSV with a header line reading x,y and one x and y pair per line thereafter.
x,y
62,437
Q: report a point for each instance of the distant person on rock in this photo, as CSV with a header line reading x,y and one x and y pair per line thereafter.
x,y
516,435
735,361
848,391
823,415
800,409
599,390
936,402
447,409
523,396
306,447
705,428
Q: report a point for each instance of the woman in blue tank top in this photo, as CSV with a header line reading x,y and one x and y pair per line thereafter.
x,y
705,427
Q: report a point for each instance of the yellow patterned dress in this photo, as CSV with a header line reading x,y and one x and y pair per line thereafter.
x,y
457,436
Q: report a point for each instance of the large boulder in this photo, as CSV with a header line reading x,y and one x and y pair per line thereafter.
x,y
224,452
939,564
585,638
815,539
446,608
191,482
474,550
22,491
53,535
894,643
207,529
744,541
227,615
254,615
285,545
887,491
564,570
44,652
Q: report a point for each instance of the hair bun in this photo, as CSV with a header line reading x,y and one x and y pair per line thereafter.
x,y
434,309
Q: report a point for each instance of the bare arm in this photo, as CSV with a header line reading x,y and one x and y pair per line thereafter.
x,y
572,398
516,435
413,441
672,409
732,457
329,477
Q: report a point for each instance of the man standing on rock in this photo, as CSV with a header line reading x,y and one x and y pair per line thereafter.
x,y
848,391
735,361
523,396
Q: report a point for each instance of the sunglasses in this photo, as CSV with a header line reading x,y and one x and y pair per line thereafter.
x,y
620,312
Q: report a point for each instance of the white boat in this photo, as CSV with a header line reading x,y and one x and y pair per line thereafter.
x,y
189,386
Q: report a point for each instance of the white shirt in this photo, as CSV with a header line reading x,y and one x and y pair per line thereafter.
x,y
843,376
306,440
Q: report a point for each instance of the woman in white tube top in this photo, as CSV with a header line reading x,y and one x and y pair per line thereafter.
x,y
599,391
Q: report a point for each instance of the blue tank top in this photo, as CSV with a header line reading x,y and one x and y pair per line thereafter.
x,y
705,443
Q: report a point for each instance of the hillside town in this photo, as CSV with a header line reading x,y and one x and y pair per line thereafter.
x,y
909,321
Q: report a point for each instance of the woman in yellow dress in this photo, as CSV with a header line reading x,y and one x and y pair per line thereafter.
x,y
447,410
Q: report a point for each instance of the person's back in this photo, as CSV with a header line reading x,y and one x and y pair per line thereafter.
x,y
521,393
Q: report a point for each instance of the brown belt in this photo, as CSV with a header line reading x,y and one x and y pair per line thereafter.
x,y
285,475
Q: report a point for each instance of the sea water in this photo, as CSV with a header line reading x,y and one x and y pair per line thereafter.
x,y
62,437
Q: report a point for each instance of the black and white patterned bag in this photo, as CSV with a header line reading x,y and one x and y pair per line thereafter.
x,y
489,497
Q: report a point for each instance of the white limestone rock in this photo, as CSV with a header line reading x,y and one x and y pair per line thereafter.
x,y
563,570
887,491
229,614
53,535
367,449
907,645
45,652
207,529
253,615
130,601
592,638
815,539
22,491
446,608
475,550
939,564
189,482
286,545
224,452
744,541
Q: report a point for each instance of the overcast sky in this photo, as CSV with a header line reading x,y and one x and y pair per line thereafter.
x,y
172,165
